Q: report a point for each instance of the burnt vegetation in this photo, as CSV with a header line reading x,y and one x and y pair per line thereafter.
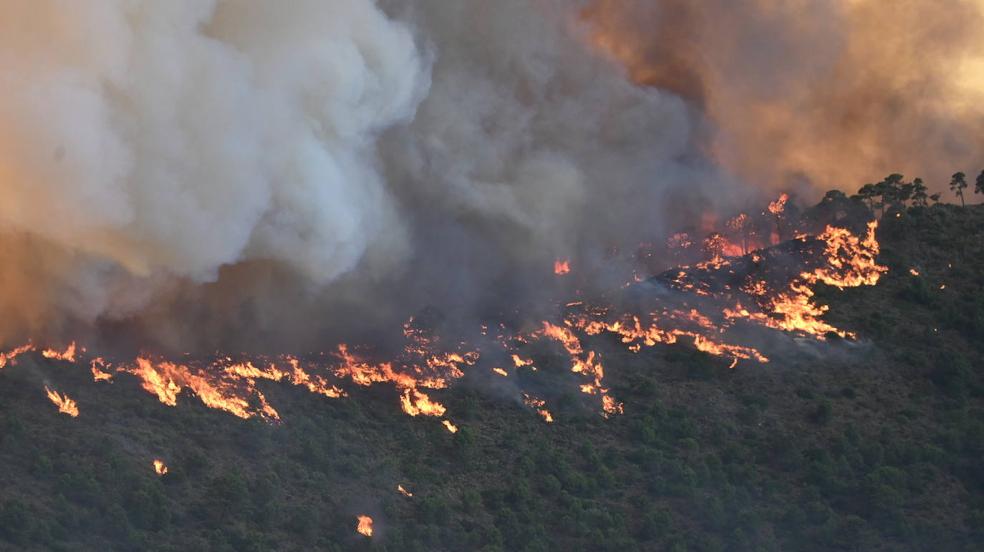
x,y
868,445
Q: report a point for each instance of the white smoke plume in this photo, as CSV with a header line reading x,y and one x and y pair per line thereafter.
x,y
142,141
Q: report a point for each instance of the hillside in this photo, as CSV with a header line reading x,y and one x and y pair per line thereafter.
x,y
868,445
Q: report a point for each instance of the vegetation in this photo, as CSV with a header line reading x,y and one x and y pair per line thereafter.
x,y
874,445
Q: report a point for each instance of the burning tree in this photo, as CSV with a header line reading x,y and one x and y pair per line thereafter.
x,y
740,226
778,208
714,245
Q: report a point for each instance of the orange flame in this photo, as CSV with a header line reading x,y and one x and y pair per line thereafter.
x,y
561,267
65,405
778,206
67,355
10,357
365,526
538,405
160,467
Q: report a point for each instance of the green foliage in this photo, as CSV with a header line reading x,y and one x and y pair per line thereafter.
x,y
874,445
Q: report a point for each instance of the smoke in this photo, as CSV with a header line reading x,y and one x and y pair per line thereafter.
x,y
197,173
815,93
144,142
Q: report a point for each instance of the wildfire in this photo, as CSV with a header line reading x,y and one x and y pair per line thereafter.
x,y
365,525
561,267
160,468
839,258
65,405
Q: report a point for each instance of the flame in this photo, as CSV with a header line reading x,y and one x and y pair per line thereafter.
x,y
538,405
65,405
67,355
850,262
561,267
520,362
449,426
403,491
160,467
914,272
365,526
501,372
584,363
778,206
10,357
98,368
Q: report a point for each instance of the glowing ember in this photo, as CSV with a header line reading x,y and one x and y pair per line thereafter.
x,y
914,272
65,405
449,426
403,491
365,526
501,372
160,467
561,267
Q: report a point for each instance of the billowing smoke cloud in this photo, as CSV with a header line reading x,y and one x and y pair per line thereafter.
x,y
204,173
146,141
833,93
192,165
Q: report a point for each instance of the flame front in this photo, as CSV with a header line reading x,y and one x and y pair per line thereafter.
x,y
424,365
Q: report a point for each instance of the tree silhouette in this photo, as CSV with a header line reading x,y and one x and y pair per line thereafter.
x,y
867,195
979,185
958,183
935,197
919,196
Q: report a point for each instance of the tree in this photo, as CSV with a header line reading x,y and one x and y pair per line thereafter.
x,y
979,186
892,191
867,194
935,197
958,183
739,225
919,196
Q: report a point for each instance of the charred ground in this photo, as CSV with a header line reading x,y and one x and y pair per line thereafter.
x,y
868,445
